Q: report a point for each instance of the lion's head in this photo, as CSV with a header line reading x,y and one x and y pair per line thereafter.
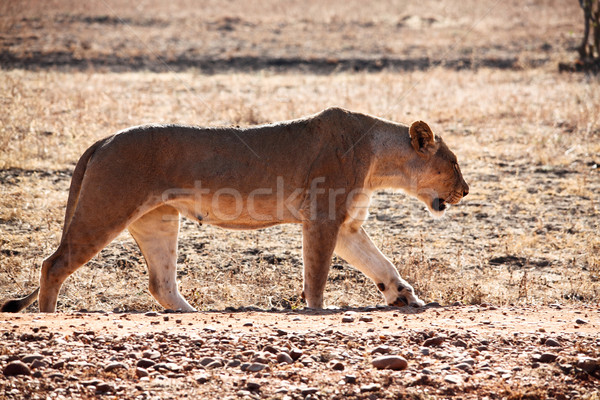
x,y
435,173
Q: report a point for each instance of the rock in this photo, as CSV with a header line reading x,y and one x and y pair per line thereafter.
x,y
296,354
271,349
588,364
151,354
546,358
234,363
114,366
366,318
552,343
433,304
105,387
347,319
59,364
202,378
145,363
141,372
206,361
390,362
56,376
16,368
453,379
464,367
168,366
252,386
381,350
373,387
284,358
434,341
214,364
580,321
39,364
350,378
425,351
338,366
459,343
151,314
310,390
254,367
28,359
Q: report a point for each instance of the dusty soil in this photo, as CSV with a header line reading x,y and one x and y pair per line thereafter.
x,y
461,352
305,35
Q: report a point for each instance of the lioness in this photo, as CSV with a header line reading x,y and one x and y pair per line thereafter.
x,y
318,171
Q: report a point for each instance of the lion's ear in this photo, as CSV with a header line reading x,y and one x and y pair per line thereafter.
x,y
421,138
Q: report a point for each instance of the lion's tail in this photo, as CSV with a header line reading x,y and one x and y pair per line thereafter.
x,y
14,306
17,305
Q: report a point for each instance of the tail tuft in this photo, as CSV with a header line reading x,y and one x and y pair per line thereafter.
x,y
14,306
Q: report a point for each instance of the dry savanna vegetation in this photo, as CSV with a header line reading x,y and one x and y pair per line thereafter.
x,y
483,74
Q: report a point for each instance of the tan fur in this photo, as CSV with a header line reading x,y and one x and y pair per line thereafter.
x,y
319,171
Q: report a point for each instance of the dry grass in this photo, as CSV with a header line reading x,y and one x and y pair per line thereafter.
x,y
528,140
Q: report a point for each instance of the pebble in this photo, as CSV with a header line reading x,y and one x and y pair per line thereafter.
x,y
115,366
151,354
28,359
588,364
459,343
347,319
390,362
16,368
252,386
381,350
151,314
309,390
434,341
552,343
105,387
350,378
141,372
338,366
254,367
214,364
465,367
366,318
296,354
145,363
206,361
453,379
580,321
234,363
284,358
39,364
546,358
373,387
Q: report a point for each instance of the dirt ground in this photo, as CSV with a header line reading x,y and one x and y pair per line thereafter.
x,y
521,253
459,352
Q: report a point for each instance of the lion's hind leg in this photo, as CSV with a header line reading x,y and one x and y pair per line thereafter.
x,y
156,235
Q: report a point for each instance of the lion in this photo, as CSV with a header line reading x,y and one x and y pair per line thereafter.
x,y
319,171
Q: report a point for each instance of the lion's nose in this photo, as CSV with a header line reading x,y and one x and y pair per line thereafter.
x,y
465,191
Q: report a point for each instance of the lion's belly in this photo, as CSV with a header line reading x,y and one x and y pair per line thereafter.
x,y
233,210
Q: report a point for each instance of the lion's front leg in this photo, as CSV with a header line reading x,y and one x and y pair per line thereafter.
x,y
355,246
318,242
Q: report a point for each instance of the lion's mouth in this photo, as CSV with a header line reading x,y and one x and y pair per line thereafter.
x,y
438,204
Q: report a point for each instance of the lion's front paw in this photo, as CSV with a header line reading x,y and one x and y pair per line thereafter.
x,y
406,297
402,301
